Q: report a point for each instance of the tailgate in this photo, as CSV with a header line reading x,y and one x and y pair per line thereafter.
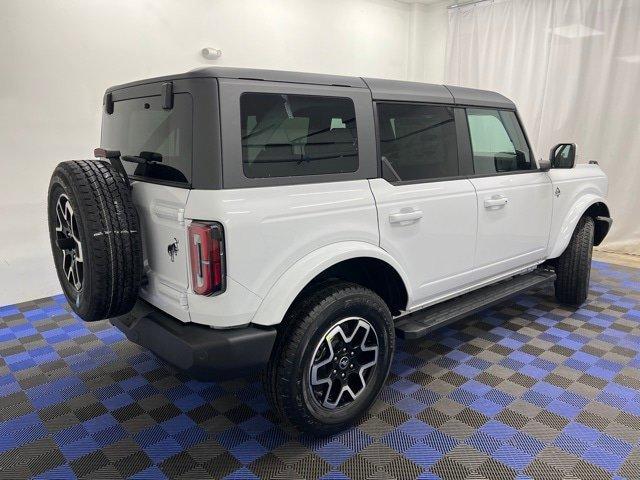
x,y
155,138
164,237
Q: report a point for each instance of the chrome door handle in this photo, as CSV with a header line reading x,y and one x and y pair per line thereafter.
x,y
497,201
402,217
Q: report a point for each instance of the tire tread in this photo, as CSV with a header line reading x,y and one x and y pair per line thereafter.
x,y
281,369
574,265
112,231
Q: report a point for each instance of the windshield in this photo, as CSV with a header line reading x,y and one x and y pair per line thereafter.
x,y
160,139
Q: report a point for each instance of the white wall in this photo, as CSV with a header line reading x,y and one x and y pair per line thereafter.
x,y
428,41
60,55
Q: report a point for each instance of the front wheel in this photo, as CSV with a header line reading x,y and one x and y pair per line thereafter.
x,y
573,267
331,358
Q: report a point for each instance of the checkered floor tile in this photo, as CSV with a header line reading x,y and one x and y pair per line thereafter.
x,y
528,389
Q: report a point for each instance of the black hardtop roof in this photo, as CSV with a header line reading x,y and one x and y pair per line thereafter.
x,y
381,89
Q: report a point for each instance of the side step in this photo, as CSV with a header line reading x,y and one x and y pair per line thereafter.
x,y
420,323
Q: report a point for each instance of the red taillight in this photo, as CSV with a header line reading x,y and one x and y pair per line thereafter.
x,y
206,250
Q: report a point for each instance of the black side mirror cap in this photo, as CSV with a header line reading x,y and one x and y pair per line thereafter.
x,y
563,155
544,165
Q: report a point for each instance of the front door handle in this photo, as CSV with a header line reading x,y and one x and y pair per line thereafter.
x,y
497,201
405,217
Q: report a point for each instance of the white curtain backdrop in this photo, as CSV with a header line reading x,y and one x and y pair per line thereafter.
x,y
573,69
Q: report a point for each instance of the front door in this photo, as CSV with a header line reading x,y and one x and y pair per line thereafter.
x,y
514,198
427,211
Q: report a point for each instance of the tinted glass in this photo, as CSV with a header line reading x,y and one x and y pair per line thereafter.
x,y
497,141
291,135
563,157
417,142
141,125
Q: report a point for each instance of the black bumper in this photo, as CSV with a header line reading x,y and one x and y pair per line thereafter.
x,y
203,352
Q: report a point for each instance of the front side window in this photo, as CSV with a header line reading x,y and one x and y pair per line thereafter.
x,y
290,135
497,141
417,142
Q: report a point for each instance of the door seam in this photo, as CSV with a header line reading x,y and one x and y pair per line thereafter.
x,y
475,245
375,204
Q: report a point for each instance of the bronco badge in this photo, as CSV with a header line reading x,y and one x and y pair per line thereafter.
x,y
173,250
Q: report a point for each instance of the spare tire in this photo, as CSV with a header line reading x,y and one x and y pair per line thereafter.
x,y
95,238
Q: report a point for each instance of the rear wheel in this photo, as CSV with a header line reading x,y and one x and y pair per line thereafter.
x,y
573,267
331,358
95,238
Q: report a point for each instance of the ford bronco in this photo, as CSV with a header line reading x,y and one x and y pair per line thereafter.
x,y
239,219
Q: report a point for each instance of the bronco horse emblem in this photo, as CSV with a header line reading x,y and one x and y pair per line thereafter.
x,y
173,250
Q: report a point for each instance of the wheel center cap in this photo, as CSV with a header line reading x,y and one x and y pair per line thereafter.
x,y
344,362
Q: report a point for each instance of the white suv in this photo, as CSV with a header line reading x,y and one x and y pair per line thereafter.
x,y
242,219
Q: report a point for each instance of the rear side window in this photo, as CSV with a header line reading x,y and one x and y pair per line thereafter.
x,y
417,142
141,125
497,141
290,135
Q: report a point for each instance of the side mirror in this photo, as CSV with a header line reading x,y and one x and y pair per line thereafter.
x,y
563,155
544,165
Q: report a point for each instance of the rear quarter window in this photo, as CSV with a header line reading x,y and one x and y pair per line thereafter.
x,y
287,135
141,125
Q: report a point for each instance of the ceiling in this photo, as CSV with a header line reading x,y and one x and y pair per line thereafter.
x,y
431,2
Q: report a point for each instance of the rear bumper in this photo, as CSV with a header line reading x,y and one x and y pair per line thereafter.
x,y
201,351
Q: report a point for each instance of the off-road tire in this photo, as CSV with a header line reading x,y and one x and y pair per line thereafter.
x,y
306,323
108,231
573,268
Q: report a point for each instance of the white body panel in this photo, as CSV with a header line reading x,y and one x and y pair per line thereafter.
x,y
438,236
269,229
289,285
430,229
575,190
514,216
161,212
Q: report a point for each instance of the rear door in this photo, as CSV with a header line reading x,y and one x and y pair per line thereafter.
x,y
426,206
142,124
514,198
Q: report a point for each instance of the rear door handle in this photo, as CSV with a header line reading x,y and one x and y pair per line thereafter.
x,y
402,217
497,201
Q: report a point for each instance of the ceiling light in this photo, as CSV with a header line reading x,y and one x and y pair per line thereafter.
x,y
630,58
576,30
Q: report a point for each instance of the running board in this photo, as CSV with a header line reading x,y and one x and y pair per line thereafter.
x,y
420,323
